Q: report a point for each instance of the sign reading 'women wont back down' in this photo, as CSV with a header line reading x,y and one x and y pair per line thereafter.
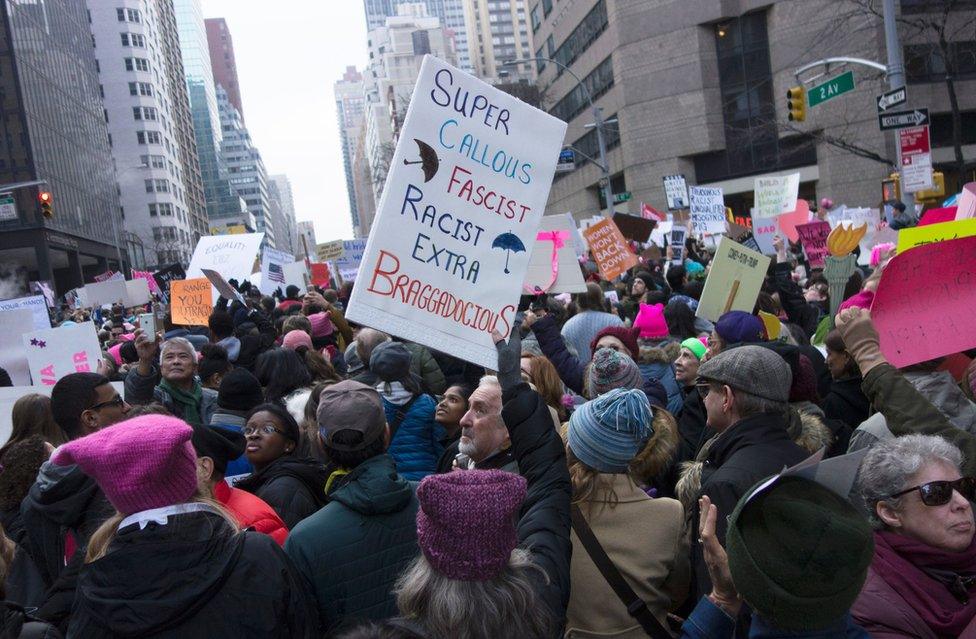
x,y
467,187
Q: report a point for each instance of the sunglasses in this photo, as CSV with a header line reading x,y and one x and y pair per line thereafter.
x,y
116,401
938,493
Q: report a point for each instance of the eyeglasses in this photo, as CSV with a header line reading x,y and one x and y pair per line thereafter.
x,y
267,429
116,401
938,493
703,389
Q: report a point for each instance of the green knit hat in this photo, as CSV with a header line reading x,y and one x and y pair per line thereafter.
x,y
798,553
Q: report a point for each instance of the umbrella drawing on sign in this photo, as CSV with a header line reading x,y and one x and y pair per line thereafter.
x,y
428,161
508,242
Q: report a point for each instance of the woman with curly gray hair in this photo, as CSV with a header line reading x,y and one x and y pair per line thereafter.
x,y
922,582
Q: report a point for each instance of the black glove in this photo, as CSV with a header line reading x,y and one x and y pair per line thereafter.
x,y
510,356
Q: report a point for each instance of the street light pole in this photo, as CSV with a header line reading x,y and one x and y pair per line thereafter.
x,y
896,80
597,121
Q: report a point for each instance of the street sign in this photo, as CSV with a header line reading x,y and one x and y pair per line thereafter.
x,y
830,89
621,197
892,98
567,161
8,210
915,150
903,119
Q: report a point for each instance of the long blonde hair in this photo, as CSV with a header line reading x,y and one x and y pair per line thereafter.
x,y
103,536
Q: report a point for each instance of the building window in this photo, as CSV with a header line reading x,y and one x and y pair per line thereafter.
x,y
128,15
149,186
598,81
152,210
121,14
145,88
926,63
136,113
125,39
585,33
540,64
534,16
546,8
421,42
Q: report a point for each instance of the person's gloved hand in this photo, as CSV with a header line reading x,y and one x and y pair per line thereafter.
x,y
860,338
509,355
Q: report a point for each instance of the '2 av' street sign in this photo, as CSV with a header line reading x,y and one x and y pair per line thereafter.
x,y
892,98
902,119
830,89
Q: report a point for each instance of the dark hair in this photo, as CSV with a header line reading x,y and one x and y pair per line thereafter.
x,y
854,284
71,396
21,460
694,288
675,277
655,297
221,324
281,371
680,320
291,291
292,431
592,299
31,415
320,369
152,408
350,459
128,352
214,359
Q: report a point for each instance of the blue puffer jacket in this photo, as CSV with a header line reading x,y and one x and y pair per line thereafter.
x,y
664,374
416,445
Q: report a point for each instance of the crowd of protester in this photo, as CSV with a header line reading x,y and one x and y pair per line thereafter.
x,y
284,473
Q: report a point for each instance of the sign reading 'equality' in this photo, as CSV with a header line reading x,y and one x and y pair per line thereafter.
x,y
449,248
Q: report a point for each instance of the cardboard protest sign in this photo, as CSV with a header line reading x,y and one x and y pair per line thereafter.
x,y
911,237
319,274
659,236
610,250
707,209
813,236
352,257
733,281
52,353
35,304
14,322
329,250
579,244
296,274
924,304
45,288
168,274
150,281
136,292
676,191
632,227
190,301
677,242
764,229
108,292
230,255
553,267
223,287
776,195
273,264
937,216
789,221
468,184
104,277
966,204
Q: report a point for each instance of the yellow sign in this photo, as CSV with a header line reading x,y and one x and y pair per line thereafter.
x,y
929,234
329,251
235,229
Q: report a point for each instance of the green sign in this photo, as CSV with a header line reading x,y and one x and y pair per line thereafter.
x,y
830,89
621,197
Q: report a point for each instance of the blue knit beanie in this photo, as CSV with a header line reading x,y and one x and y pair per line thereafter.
x,y
607,433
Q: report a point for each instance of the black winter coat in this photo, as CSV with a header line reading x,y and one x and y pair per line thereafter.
x,y
847,402
192,577
692,425
750,450
293,486
16,622
798,310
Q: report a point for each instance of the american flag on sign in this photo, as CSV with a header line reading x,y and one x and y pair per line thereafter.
x,y
275,274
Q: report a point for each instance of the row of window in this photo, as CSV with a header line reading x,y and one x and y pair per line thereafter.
x,y
144,113
129,15
598,81
141,88
136,64
149,137
586,32
133,40
926,62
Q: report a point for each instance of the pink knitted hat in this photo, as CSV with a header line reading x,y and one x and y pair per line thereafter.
x,y
466,521
650,321
295,338
142,463
322,325
864,299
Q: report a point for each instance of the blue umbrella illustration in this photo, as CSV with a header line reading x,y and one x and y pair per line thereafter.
x,y
508,242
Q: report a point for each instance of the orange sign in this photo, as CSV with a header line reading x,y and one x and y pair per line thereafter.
x,y
609,248
191,301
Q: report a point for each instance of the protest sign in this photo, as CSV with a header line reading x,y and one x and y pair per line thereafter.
x,y
764,229
352,257
676,191
10,395
136,292
319,274
15,322
966,203
776,195
108,292
923,308
328,251
677,242
223,287
468,184
579,244
190,301
150,281
104,277
296,274
661,231
553,266
45,288
813,236
937,216
789,221
167,274
35,304
273,264
632,227
911,237
707,209
230,255
52,353
609,248
733,281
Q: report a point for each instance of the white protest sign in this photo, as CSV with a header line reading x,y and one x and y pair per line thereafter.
x,y
110,291
54,352
677,242
15,322
676,191
273,264
764,229
136,292
468,184
776,195
352,257
35,304
660,233
223,287
553,267
733,282
295,274
230,255
579,244
10,395
707,210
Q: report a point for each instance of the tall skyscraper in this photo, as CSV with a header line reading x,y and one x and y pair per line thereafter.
x,y
222,60
498,32
279,187
306,230
450,12
54,130
350,103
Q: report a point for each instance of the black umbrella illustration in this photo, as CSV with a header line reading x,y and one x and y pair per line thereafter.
x,y
428,161
508,242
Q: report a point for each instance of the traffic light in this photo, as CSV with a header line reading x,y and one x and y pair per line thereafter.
x,y
796,103
45,198
891,188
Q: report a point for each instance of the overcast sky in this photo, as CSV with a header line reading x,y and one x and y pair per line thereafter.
x,y
289,52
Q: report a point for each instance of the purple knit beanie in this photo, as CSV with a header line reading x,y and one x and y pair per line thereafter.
x,y
142,463
466,521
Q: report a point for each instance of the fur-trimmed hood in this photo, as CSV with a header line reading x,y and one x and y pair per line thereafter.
x,y
655,351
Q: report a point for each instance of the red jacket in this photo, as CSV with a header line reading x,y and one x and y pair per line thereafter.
x,y
251,511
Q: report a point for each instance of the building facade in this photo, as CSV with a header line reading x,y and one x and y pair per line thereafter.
x,y
699,89
498,32
350,103
222,60
451,13
279,189
54,130
306,237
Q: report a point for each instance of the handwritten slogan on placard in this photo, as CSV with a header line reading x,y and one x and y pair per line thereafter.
x,y
609,248
707,209
468,184
190,301
813,236
776,195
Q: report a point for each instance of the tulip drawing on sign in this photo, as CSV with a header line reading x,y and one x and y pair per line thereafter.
x,y
508,242
428,161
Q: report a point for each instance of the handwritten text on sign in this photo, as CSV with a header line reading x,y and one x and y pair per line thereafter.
x,y
814,238
449,248
190,301
924,305
707,209
610,251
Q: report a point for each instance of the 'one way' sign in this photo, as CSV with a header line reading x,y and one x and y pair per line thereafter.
x,y
892,98
902,119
